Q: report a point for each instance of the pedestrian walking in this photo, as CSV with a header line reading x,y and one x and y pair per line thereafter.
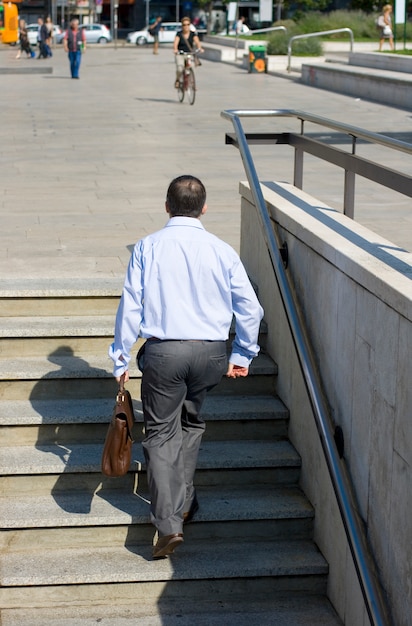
x,y
154,30
42,37
74,42
24,41
182,288
49,25
385,27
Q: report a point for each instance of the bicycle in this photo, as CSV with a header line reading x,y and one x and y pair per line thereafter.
x,y
187,81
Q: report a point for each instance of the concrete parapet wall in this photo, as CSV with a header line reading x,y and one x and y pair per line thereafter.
x,y
355,292
218,54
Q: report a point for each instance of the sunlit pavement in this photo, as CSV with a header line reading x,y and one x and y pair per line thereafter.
x,y
86,163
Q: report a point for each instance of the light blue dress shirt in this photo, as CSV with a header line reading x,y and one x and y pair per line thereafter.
x,y
185,283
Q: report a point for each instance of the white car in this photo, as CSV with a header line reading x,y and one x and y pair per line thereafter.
x,y
32,33
166,35
96,33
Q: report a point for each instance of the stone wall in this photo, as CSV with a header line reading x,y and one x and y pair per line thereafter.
x,y
355,292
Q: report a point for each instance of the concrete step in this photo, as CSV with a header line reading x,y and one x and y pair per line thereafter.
x,y
279,611
94,410
378,61
66,335
96,366
41,484
113,508
39,378
92,325
386,87
202,560
59,296
75,421
86,458
30,307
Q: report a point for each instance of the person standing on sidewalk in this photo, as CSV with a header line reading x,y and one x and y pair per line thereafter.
x,y
182,288
74,43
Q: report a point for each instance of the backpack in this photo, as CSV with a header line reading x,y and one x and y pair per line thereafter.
x,y
380,22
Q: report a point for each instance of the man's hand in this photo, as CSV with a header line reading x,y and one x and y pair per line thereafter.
x,y
125,377
235,371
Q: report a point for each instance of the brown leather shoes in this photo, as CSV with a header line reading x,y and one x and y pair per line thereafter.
x,y
189,515
167,545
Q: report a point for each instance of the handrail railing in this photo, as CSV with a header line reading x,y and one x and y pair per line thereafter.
x,y
260,30
267,30
349,162
323,32
344,491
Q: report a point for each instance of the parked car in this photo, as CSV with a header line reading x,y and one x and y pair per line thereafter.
x,y
96,33
166,35
33,29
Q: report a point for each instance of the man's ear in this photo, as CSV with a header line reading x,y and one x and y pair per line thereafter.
x,y
167,207
204,210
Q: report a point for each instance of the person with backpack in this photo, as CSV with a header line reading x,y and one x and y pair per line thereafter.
x,y
74,43
154,30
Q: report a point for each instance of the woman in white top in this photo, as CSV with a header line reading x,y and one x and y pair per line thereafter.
x,y
385,26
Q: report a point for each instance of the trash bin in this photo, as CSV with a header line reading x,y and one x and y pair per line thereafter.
x,y
257,59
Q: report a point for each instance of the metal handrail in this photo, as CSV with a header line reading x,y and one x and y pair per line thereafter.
x,y
343,488
259,30
267,30
323,32
350,162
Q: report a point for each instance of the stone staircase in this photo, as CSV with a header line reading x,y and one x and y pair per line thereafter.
x,y
76,546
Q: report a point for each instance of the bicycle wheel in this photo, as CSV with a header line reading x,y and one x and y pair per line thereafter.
x,y
191,87
180,89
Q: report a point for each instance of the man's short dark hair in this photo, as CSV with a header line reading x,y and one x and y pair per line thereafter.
x,y
186,196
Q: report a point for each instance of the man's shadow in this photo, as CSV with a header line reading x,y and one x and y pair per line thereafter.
x,y
65,415
73,431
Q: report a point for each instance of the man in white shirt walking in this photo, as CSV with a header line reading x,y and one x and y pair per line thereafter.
x,y
182,288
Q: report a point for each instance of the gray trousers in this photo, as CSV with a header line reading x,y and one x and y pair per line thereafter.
x,y
176,377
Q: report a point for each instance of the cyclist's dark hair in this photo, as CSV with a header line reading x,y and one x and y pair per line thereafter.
x,y
186,196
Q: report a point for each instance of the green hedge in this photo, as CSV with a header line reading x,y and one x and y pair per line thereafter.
x,y
363,26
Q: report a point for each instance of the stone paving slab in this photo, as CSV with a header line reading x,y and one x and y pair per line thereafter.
x,y
87,163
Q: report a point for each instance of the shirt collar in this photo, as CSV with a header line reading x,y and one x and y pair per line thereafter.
x,y
180,220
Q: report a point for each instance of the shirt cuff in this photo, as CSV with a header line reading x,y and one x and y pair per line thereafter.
x,y
120,363
239,360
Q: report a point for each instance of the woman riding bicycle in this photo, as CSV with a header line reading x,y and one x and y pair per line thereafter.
x,y
186,41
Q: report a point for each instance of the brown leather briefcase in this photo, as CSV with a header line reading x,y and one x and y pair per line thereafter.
x,y
117,451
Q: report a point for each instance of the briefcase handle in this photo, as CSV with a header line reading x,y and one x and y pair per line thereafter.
x,y
121,382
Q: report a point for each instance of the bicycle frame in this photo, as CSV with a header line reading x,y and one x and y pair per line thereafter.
x,y
187,78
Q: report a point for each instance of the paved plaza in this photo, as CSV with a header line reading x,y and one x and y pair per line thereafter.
x,y
86,164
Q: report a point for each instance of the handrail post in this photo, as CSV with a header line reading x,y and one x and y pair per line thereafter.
x,y
349,188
